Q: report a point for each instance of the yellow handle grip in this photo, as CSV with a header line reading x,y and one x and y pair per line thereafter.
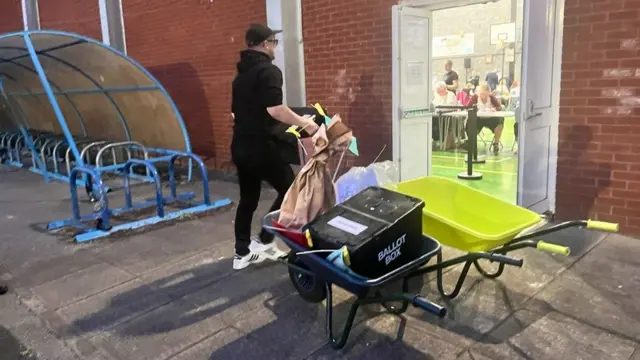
x,y
553,248
602,225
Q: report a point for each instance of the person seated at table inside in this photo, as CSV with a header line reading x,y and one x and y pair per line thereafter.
x,y
442,97
488,103
502,91
466,94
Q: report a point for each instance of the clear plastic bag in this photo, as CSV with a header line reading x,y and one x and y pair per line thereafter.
x,y
387,172
360,178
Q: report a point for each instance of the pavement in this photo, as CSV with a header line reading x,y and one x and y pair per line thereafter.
x,y
170,293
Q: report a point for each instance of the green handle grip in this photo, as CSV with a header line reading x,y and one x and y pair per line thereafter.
x,y
602,225
553,248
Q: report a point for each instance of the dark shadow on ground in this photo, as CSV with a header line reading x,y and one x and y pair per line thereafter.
x,y
11,348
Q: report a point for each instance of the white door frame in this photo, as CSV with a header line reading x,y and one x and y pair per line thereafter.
x,y
434,5
550,204
414,122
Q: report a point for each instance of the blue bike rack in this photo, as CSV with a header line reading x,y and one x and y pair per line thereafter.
x,y
65,151
102,218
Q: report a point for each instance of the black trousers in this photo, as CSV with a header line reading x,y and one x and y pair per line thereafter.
x,y
251,173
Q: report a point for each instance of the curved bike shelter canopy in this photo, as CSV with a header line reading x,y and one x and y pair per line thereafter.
x,y
78,87
64,91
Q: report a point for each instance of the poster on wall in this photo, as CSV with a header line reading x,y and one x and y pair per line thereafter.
x,y
453,45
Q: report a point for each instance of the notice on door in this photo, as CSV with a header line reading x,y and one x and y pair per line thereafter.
x,y
414,73
415,33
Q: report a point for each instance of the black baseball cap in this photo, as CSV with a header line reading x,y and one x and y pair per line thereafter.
x,y
258,33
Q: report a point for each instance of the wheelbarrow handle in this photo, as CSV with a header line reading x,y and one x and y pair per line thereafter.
x,y
602,225
428,306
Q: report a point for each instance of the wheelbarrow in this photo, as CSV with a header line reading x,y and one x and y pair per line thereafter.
x,y
485,227
455,214
313,276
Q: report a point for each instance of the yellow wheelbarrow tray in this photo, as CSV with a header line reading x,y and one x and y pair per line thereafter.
x,y
483,226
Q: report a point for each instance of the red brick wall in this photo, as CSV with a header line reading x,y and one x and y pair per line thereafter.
x,y
76,16
10,16
348,67
192,48
599,137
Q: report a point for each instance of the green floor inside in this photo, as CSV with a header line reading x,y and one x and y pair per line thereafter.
x,y
500,173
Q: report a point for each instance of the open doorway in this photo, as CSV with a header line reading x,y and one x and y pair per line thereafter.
x,y
519,42
480,45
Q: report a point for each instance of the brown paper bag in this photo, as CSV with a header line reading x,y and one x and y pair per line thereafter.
x,y
313,192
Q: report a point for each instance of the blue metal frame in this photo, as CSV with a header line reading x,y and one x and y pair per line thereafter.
x,y
156,181
99,88
104,229
44,51
24,133
87,91
52,98
104,215
82,40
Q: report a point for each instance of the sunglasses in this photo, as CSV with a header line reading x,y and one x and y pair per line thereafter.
x,y
273,41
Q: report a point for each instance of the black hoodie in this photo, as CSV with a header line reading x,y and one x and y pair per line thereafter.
x,y
257,86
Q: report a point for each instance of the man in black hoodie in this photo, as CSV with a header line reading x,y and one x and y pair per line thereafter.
x,y
257,106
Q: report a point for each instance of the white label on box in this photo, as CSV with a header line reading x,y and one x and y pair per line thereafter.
x,y
347,225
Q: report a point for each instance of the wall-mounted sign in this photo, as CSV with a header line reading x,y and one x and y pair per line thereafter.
x,y
453,45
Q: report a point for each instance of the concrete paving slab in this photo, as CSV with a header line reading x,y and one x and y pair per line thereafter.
x,y
171,293
390,337
467,355
553,336
485,303
242,293
191,274
81,284
41,341
292,326
159,334
135,255
50,269
601,290
109,308
229,344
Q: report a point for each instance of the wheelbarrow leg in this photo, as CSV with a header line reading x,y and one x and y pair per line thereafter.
x,y
440,282
333,342
405,304
489,275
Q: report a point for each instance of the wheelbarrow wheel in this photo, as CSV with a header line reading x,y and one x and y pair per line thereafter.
x,y
309,287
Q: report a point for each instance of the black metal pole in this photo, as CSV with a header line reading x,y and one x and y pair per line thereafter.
x,y
472,151
473,119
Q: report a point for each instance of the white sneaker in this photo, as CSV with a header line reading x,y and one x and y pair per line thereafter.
x,y
241,262
269,251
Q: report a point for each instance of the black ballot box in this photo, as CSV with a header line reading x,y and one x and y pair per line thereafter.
x,y
382,230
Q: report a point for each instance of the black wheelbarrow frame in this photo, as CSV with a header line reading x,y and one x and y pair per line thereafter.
x,y
498,254
313,277
308,272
